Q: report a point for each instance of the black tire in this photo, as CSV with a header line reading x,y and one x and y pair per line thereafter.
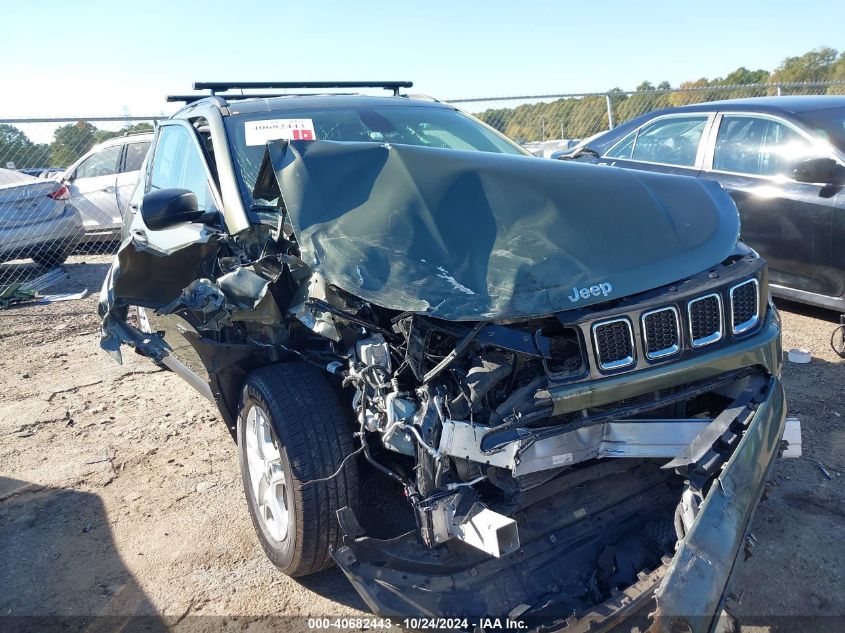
x,y
51,259
313,436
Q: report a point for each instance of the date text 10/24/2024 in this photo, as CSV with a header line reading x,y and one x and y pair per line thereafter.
x,y
420,623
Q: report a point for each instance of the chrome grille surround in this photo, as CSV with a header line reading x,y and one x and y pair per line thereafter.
x,y
716,335
675,324
626,342
744,326
701,304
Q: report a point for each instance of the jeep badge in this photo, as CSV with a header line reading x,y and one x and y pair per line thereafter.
x,y
604,288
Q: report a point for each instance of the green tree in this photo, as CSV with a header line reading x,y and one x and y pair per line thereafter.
x,y
137,128
742,76
837,73
581,116
71,141
684,98
588,117
813,66
640,102
17,149
837,70
104,135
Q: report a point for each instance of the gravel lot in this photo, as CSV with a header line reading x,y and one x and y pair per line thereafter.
x,y
120,492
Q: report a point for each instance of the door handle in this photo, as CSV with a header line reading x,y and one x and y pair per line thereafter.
x,y
140,235
108,189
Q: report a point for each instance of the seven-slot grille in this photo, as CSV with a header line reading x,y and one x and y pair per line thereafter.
x,y
614,340
744,306
705,320
661,332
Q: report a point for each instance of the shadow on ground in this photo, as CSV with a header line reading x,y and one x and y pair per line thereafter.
x,y
60,567
813,312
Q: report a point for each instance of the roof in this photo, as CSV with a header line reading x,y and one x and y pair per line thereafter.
x,y
311,101
790,104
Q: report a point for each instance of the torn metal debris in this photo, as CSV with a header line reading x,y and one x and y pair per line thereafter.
x,y
30,291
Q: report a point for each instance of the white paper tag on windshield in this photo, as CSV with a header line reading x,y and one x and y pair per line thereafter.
x,y
259,132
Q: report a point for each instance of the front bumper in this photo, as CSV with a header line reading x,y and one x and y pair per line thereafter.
x,y
697,577
401,578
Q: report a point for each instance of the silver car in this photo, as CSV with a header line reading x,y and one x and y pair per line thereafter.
x,y
101,182
35,220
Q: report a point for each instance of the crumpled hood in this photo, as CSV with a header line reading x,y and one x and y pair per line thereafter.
x,y
468,235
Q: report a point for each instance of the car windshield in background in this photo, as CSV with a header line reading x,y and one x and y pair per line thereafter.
x,y
829,124
401,125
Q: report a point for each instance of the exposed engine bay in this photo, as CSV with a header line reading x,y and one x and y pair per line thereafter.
x,y
523,445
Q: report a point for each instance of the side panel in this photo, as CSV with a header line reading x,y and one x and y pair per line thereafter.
x,y
791,225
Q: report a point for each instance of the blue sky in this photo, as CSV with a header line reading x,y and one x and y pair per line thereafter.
x,y
111,58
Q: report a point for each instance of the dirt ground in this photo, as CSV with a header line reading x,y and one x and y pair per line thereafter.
x,y
120,493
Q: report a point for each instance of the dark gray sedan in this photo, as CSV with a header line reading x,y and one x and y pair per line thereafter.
x,y
780,158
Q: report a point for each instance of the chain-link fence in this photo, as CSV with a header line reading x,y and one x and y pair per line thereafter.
x,y
65,182
545,123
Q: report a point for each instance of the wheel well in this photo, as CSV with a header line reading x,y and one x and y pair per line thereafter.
x,y
228,365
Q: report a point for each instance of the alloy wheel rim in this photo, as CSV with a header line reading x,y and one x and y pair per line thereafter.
x,y
266,475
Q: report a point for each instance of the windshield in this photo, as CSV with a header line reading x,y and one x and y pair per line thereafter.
x,y
398,124
827,124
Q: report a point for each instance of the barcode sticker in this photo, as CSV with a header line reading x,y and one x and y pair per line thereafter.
x,y
259,132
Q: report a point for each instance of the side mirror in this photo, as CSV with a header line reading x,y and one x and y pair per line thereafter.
x,y
582,154
166,207
820,171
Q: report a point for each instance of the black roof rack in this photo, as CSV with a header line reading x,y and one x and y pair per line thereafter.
x,y
217,87
220,86
232,97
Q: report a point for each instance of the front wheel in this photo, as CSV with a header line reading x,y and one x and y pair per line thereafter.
x,y
292,430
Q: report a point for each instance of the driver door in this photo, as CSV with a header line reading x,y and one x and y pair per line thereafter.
x,y
159,264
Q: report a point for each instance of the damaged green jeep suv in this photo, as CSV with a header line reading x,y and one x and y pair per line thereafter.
x,y
565,377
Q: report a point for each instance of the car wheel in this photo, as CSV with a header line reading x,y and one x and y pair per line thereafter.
x,y
291,430
50,259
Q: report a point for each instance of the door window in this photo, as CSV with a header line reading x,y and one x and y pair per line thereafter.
x,y
103,163
671,141
177,164
135,153
758,146
624,148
